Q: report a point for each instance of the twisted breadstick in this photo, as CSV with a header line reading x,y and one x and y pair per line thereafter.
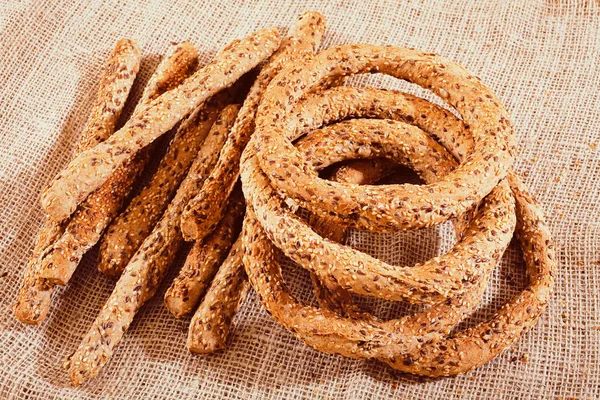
x,y
211,323
204,260
87,224
206,209
33,300
147,267
91,168
392,206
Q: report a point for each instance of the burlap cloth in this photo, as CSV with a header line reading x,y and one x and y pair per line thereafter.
x,y
541,58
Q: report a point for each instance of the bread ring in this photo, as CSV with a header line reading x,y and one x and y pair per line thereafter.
x,y
379,208
91,168
363,338
431,282
463,351
434,356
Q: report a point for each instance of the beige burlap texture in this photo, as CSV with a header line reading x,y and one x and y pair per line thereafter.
x,y
542,58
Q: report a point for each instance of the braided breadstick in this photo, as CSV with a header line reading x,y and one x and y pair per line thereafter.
x,y
33,300
132,226
206,209
211,323
93,215
147,267
379,207
204,260
91,168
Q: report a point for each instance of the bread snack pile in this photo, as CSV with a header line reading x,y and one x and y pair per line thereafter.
x,y
294,121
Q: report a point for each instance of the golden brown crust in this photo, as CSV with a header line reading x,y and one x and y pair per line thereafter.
x,y
329,294
91,168
363,337
418,343
33,300
123,237
204,211
147,267
120,71
204,260
475,346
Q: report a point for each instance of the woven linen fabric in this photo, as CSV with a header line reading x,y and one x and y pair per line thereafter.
x,y
542,58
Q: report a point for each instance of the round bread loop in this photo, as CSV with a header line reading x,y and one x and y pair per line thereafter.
x,y
365,337
432,282
378,208
325,330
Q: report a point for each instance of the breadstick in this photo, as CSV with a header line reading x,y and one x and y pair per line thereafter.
x,y
147,267
204,260
33,300
91,168
379,208
203,213
132,226
211,323
123,237
119,74
93,215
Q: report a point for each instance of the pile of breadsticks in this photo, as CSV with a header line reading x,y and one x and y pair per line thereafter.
x,y
294,121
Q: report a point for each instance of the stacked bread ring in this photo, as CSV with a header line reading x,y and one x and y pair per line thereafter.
x,y
466,164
